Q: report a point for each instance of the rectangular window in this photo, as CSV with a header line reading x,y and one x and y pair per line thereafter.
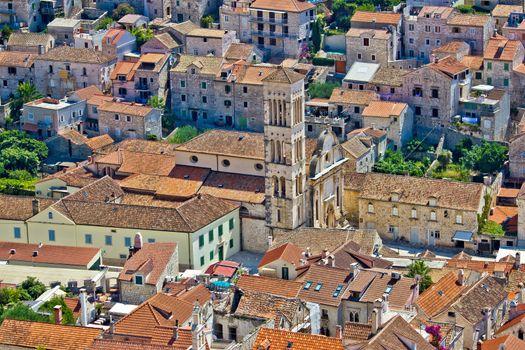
x,y
16,232
183,83
489,65
435,112
183,98
204,86
231,243
88,238
201,241
245,89
366,42
220,230
459,219
418,110
210,236
204,99
505,82
435,93
108,240
231,224
139,280
51,235
489,81
151,240
202,261
211,255
506,67
127,242
478,75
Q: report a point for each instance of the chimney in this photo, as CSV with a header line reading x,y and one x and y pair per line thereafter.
x,y
522,293
354,269
57,313
461,277
176,330
479,345
339,332
308,252
84,319
513,310
376,316
270,241
488,323
36,206
517,261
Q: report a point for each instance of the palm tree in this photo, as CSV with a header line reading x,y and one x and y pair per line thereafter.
x,y
25,92
419,268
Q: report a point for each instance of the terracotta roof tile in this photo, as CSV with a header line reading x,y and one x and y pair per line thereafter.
x,y
114,34
227,143
151,259
502,49
206,64
20,208
235,187
441,11
283,75
358,97
505,10
76,177
384,109
394,336
264,305
77,55
414,190
400,290
49,254
517,320
239,51
322,283
449,65
17,59
126,68
507,342
98,142
107,344
357,331
167,40
274,286
440,295
389,18
355,147
461,19
29,39
280,340
133,109
140,163
27,334
287,252
283,5
142,146
473,62
453,46
375,33
102,190
462,256
389,76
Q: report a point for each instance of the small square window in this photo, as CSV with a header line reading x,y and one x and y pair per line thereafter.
x,y
139,280
201,241
127,242
108,240
17,233
88,239
202,261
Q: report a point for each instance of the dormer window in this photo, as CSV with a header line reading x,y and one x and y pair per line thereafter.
x,y
414,213
139,280
192,71
395,211
394,197
432,202
370,208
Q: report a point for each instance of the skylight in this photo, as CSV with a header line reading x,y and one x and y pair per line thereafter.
x,y
308,285
318,286
337,291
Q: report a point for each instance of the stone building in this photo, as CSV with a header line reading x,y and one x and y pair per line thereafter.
x,y
395,118
234,15
151,9
65,69
145,271
202,42
21,13
417,210
349,104
434,91
369,45
64,30
281,28
501,14
37,43
70,145
284,142
138,81
118,42
456,49
162,43
46,117
192,10
501,58
15,68
432,26
122,120
517,157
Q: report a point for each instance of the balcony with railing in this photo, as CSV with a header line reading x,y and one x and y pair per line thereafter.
x,y
271,20
269,34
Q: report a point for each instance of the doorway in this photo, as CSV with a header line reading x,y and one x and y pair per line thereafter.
x,y
221,253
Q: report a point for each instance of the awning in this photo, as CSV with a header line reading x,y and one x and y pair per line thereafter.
x,y
464,236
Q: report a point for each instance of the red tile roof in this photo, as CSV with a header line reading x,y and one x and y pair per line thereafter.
x,y
274,286
440,295
287,252
390,18
511,323
27,334
274,339
151,260
223,268
507,342
49,254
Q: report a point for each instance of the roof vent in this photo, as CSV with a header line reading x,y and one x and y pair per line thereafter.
x,y
220,185
12,251
241,137
186,177
289,345
35,254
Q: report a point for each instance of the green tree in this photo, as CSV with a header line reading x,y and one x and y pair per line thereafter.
x,y
156,102
487,158
122,10
444,158
342,12
184,134
206,21
493,228
322,90
23,312
33,287
465,9
317,34
142,35
17,139
104,23
461,148
419,268
67,314
25,92
395,163
6,33
15,158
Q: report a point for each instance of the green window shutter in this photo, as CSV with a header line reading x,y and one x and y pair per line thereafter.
x,y
220,230
201,241
231,224
210,236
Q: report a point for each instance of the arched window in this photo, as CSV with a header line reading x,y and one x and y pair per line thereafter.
x,y
275,186
272,150
351,316
520,334
433,215
316,209
414,213
370,208
356,317
283,186
278,151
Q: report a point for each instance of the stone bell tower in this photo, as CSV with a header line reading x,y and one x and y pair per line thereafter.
x,y
284,142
